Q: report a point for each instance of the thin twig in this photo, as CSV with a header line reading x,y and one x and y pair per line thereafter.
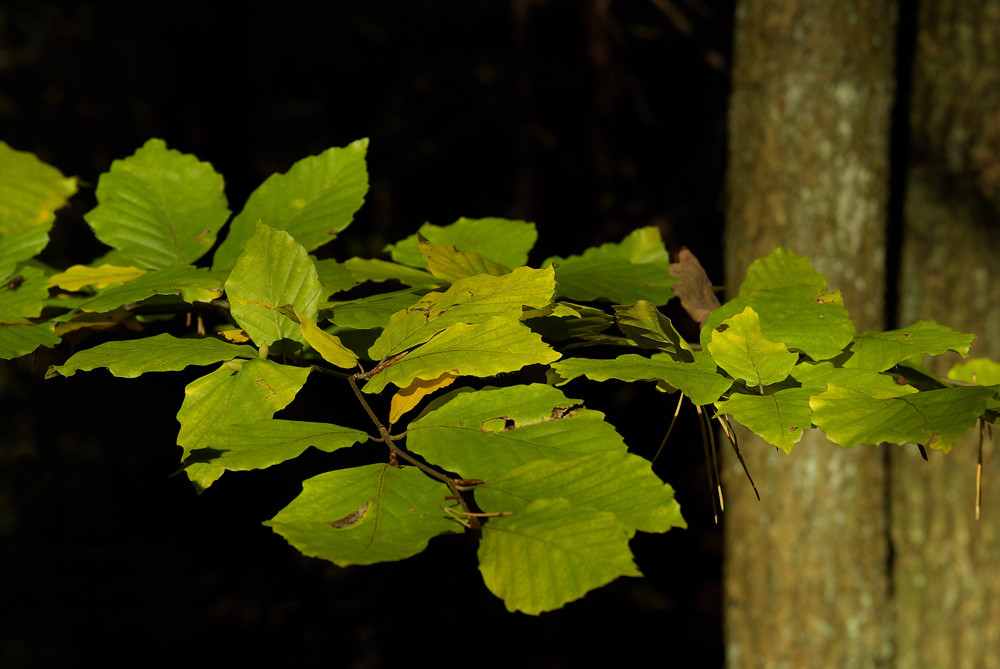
x,y
669,429
708,463
728,429
399,453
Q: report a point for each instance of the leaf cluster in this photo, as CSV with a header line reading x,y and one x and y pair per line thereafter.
x,y
453,321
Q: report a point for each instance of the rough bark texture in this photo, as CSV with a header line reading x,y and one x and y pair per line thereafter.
x,y
806,581
946,580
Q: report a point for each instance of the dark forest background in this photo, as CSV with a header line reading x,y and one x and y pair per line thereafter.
x,y
589,118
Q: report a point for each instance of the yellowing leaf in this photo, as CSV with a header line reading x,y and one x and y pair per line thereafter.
x,y
327,345
236,336
78,276
409,397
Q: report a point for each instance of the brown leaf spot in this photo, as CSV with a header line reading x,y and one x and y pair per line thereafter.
x,y
564,412
351,519
261,383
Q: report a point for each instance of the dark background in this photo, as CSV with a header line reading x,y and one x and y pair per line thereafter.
x,y
589,118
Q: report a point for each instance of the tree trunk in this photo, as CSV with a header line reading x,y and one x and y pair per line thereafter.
x,y
806,578
946,581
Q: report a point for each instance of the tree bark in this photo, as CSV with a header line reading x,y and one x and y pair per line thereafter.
x,y
946,582
806,568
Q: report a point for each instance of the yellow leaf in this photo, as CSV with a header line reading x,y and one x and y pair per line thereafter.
x,y
409,397
236,336
326,344
78,276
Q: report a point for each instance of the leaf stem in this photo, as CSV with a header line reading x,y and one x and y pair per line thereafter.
x,y
388,439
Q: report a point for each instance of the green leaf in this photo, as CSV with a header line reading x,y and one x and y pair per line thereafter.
x,y
20,246
699,380
263,443
646,326
327,345
448,262
364,515
162,353
503,241
372,312
313,201
470,300
794,307
481,349
804,318
159,207
23,338
193,284
30,193
273,271
635,269
226,397
881,350
23,298
779,418
742,350
978,371
817,376
381,270
936,418
562,320
552,553
781,269
621,483
487,433
335,277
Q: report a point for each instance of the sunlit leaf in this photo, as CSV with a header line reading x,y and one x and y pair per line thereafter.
x,y
327,345
635,269
263,443
255,392
79,276
779,269
621,483
272,271
372,312
481,349
471,300
817,376
881,350
19,339
313,201
193,284
161,353
936,418
365,515
699,380
779,418
740,348
159,207
501,240
489,432
30,193
448,262
551,553
22,298
978,371
643,323
373,269
793,305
